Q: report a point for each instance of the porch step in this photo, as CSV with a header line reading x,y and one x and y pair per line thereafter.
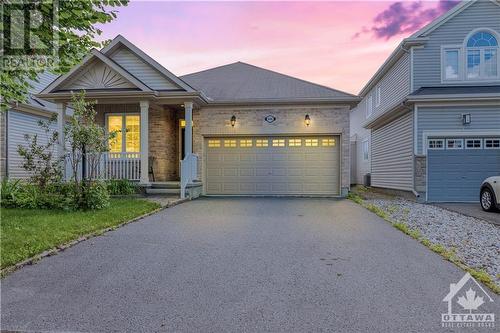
x,y
153,190
165,185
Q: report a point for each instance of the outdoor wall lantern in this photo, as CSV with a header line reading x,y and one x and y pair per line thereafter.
x,y
466,119
233,120
307,120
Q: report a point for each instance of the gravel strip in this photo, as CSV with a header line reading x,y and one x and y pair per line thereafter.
x,y
475,242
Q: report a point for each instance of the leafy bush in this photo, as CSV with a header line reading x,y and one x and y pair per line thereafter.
x,y
94,195
121,187
67,196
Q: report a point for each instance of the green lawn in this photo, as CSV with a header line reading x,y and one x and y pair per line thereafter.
x,y
27,232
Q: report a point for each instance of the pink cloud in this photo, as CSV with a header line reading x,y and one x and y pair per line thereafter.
x,y
406,17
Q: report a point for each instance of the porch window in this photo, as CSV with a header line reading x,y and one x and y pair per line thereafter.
x,y
128,133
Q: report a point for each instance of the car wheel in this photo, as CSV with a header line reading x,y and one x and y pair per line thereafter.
x,y
487,200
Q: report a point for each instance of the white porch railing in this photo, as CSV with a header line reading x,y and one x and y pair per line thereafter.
x,y
189,172
110,166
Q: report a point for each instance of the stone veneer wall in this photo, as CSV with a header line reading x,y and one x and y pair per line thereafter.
x,y
289,121
163,137
420,173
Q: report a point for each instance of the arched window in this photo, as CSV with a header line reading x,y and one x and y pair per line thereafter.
x,y
482,56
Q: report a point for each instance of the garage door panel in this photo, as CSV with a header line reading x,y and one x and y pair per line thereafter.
x,y
289,167
457,174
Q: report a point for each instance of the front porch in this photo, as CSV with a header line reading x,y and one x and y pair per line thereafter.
x,y
153,146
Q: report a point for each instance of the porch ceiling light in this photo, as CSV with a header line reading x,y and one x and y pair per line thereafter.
x,y
233,120
307,120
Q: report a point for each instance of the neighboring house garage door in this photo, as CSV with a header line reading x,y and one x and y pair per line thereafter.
x,y
273,165
457,167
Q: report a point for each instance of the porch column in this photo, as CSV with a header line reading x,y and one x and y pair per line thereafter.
x,y
61,148
144,142
188,133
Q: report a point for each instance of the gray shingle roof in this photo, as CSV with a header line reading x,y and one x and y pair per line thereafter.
x,y
243,82
456,90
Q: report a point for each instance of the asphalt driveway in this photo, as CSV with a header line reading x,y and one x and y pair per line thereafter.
x,y
254,264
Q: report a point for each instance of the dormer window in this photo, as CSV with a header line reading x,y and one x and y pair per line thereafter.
x,y
482,56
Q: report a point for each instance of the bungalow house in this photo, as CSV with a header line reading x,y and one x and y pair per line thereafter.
x,y
232,130
429,119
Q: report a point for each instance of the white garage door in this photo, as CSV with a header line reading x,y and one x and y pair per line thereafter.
x,y
273,165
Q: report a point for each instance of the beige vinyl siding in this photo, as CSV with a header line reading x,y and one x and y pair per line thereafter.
x,y
392,154
19,124
427,60
142,71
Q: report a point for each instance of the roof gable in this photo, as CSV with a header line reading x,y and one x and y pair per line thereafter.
x,y
244,82
143,66
96,71
426,30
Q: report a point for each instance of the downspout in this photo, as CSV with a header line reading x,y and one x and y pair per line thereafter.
x,y
404,105
6,144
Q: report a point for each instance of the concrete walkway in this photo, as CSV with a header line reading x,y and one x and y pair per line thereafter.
x,y
238,265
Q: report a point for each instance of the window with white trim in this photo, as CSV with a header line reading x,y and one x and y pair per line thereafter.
x,y
482,56
451,64
366,149
294,142
126,129
473,143
369,106
435,144
454,143
492,143
378,96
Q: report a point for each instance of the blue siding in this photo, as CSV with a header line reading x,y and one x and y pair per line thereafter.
x,y
456,175
449,118
427,60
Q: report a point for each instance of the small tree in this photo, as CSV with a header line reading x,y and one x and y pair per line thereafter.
x,y
86,139
41,159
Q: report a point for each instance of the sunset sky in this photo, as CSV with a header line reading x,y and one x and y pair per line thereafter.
x,y
339,44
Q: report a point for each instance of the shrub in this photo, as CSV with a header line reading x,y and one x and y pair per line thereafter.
x,y
94,195
67,196
121,187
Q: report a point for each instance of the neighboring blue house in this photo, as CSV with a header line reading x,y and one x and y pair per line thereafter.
x,y
429,119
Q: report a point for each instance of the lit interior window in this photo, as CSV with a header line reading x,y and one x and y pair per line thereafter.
x,y
246,143
230,143
278,142
311,142
213,143
127,137
115,124
328,142
261,143
294,142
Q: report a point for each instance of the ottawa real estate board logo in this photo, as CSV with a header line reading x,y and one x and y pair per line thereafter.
x,y
467,305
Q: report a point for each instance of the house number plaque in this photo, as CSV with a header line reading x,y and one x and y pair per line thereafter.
x,y
270,119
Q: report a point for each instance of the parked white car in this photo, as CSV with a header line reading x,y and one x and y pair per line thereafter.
x,y
490,193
